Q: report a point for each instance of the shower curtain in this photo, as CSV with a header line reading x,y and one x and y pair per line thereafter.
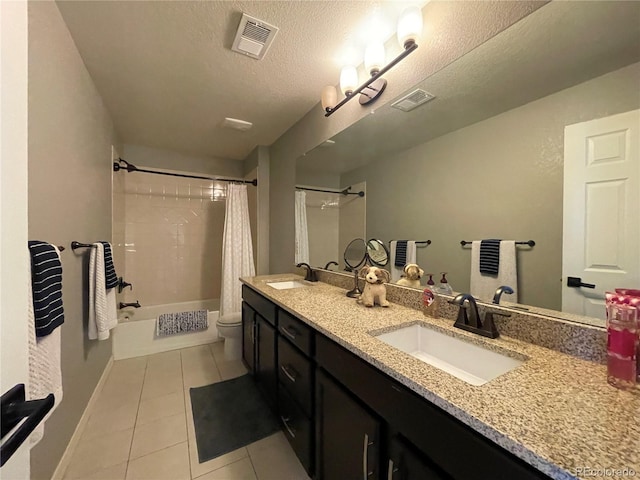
x,y
302,232
237,249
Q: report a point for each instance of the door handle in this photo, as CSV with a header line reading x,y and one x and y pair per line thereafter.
x,y
365,458
576,282
391,470
14,409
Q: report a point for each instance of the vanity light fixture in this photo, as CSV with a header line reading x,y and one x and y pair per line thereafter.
x,y
409,29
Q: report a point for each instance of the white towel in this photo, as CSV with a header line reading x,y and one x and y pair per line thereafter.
x,y
397,272
45,371
103,315
484,286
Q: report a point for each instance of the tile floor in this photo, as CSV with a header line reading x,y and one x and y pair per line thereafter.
x,y
142,427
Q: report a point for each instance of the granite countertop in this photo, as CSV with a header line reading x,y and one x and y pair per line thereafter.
x,y
555,412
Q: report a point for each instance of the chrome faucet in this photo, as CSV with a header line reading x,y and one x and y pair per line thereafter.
x,y
311,273
469,318
500,290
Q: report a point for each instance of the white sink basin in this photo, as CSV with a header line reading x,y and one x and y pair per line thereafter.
x,y
285,285
468,362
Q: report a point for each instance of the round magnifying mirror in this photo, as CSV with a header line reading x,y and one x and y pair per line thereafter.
x,y
355,253
377,252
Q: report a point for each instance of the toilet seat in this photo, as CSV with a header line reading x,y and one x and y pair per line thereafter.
x,y
224,324
231,320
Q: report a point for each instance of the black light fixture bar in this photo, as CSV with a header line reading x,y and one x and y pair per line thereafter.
x,y
346,191
129,167
409,48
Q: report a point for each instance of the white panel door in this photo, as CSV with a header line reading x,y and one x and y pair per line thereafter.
x,y
601,216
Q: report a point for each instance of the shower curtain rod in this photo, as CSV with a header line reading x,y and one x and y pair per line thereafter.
x,y
342,192
129,167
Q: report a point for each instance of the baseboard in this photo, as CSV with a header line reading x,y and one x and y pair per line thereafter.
x,y
75,438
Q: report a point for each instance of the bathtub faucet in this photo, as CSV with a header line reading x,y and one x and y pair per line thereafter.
x,y
122,285
134,305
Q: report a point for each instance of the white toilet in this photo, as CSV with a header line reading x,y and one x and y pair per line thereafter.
x,y
230,328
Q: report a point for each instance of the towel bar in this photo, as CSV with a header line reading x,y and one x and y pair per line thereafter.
x,y
75,245
419,243
531,243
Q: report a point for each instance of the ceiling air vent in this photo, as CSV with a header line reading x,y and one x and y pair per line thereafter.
x,y
253,37
413,100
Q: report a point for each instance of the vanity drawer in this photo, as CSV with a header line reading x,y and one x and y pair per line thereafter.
x,y
295,331
297,428
295,372
260,304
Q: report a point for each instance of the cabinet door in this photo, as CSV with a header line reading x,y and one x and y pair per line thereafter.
x,y
347,435
248,337
406,463
266,360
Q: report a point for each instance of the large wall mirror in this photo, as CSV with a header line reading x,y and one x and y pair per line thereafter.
x,y
486,157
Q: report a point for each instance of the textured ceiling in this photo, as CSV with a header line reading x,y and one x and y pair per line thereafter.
x,y
557,46
167,75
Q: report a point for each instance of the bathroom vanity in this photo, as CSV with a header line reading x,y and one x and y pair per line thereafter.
x,y
353,406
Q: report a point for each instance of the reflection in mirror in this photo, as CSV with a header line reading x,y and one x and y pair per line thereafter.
x,y
493,153
355,254
377,252
333,218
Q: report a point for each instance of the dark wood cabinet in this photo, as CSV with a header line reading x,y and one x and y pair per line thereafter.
x,y
296,373
248,337
265,370
297,428
347,434
406,462
347,420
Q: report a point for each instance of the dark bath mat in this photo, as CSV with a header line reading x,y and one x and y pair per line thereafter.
x,y
229,415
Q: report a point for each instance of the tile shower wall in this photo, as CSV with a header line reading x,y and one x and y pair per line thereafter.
x,y
173,231
333,220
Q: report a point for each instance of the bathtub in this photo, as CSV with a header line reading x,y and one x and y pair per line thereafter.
x,y
135,334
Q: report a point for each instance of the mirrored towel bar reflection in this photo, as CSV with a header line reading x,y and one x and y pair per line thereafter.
x,y
419,243
531,243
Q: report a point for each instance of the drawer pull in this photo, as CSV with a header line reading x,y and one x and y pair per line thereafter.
x,y
286,421
289,375
290,332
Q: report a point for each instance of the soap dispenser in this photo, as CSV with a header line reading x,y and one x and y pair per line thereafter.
x,y
430,299
444,287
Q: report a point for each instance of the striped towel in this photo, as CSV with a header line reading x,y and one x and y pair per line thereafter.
x,y
46,281
173,323
111,278
490,256
401,253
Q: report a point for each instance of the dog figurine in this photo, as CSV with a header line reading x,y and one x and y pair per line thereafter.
x,y
374,289
412,275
